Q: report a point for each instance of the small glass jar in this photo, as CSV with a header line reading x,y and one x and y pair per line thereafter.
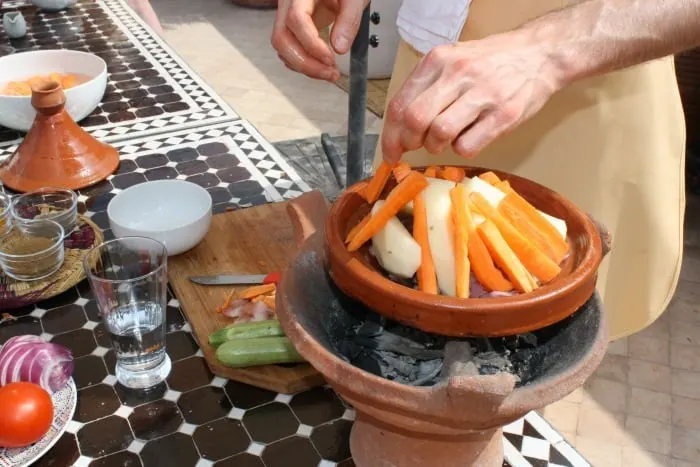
x,y
5,214
55,204
32,251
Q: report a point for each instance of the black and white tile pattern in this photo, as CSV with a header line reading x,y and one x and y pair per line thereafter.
x,y
150,89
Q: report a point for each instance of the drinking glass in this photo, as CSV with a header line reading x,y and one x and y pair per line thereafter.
x,y
128,277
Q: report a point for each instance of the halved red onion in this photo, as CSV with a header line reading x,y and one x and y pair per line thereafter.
x,y
29,358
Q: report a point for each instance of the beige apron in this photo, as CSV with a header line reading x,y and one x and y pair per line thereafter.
x,y
614,145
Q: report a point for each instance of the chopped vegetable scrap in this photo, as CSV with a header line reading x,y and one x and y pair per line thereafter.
x,y
470,237
256,303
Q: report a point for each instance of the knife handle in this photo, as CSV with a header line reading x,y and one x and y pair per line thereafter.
x,y
272,278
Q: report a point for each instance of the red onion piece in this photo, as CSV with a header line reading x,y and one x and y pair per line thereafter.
x,y
31,359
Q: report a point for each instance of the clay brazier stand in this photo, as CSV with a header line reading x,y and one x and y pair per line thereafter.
x,y
57,152
454,424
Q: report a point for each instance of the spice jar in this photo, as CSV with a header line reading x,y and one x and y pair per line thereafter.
x,y
5,214
32,251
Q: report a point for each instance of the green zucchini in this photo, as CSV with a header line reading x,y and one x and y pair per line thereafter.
x,y
240,353
268,328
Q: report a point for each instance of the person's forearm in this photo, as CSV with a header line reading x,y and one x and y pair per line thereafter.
x,y
598,36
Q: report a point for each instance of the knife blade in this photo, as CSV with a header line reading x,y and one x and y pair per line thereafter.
x,y
236,279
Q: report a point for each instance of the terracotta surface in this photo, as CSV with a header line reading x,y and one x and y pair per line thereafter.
x,y
57,152
263,242
456,424
359,275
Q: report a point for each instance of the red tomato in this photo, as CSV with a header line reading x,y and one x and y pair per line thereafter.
x,y
26,413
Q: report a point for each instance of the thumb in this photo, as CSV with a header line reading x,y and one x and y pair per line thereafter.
x,y
346,24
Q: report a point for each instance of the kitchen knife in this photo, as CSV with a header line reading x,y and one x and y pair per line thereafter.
x,y
236,279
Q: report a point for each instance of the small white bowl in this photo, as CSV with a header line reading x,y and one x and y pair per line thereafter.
x,y
16,112
174,212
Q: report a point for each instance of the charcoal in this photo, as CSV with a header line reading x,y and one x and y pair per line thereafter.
x,y
490,363
401,345
459,360
370,329
427,373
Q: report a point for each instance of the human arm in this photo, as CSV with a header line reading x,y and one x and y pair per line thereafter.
x,y
296,36
469,93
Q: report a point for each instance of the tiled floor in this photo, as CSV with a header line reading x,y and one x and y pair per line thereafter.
x,y
641,409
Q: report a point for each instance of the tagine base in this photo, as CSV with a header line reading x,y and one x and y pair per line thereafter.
x,y
373,444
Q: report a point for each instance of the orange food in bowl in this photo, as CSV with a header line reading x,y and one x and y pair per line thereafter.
x,y
24,88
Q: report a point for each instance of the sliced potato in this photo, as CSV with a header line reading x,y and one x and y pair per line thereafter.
x,y
395,248
438,209
494,196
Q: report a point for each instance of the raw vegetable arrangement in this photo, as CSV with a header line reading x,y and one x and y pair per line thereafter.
x,y
255,336
466,237
30,371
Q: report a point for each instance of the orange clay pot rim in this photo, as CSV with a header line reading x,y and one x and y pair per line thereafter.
x,y
371,279
103,71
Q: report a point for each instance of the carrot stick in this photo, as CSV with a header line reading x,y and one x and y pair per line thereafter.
x,y
427,279
227,302
534,260
559,244
401,171
488,275
252,292
431,171
504,186
522,223
504,256
404,192
490,178
453,174
461,239
376,184
354,230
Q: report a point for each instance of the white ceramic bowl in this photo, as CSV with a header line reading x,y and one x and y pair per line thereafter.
x,y
16,112
54,5
174,212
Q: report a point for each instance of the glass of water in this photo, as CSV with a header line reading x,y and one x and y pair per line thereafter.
x,y
128,277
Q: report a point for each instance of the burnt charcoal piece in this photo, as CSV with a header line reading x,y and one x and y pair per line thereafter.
x,y
159,418
332,440
317,406
105,436
96,402
295,447
88,370
244,396
177,449
120,459
64,452
189,374
204,405
80,342
270,422
221,439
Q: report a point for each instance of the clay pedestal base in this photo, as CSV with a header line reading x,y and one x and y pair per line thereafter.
x,y
372,446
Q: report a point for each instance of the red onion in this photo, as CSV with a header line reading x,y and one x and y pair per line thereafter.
x,y
30,359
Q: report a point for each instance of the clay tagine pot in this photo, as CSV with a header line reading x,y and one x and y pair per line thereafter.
x,y
359,275
455,423
56,151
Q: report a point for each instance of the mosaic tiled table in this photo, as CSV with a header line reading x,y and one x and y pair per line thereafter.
x,y
150,89
167,123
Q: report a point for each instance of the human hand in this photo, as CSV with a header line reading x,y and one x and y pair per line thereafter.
x,y
468,94
296,37
146,12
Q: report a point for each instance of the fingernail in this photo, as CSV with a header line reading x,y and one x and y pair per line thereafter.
x,y
327,74
341,43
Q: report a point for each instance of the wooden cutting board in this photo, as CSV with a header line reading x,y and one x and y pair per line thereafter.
x,y
256,240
